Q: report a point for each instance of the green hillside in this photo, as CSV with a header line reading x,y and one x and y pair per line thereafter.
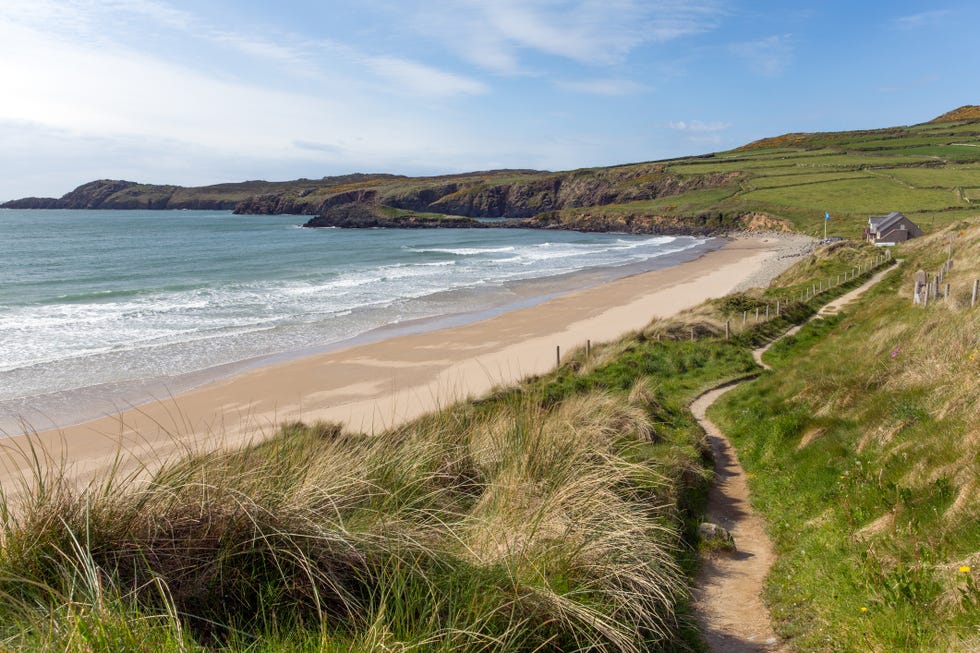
x,y
863,447
929,172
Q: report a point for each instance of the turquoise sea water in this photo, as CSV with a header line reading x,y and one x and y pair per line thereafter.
x,y
106,309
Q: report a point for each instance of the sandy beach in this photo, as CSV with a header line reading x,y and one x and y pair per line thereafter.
x,y
374,386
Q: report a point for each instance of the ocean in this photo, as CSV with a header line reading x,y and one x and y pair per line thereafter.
x,y
104,310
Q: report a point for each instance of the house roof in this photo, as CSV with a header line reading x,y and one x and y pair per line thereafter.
x,y
886,221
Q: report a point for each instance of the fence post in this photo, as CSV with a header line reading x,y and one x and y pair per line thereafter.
x,y
976,291
757,314
767,311
745,316
557,355
728,329
947,293
588,349
777,308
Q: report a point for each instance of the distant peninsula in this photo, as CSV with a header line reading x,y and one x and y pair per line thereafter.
x,y
788,182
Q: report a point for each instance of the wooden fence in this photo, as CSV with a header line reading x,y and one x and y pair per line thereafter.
x,y
931,288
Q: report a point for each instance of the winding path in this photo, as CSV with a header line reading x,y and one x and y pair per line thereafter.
x,y
728,588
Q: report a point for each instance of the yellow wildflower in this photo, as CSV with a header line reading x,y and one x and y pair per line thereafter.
x,y
965,569
863,609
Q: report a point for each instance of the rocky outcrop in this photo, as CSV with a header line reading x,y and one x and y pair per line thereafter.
x,y
364,215
703,224
119,194
34,203
94,194
87,196
545,192
501,194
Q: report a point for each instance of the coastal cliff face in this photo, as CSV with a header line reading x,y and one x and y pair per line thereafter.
x,y
119,194
362,215
523,195
268,197
702,224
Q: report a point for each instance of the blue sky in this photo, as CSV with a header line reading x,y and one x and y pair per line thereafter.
x,y
193,93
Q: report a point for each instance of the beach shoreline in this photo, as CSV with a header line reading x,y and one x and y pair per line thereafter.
x,y
130,351
378,384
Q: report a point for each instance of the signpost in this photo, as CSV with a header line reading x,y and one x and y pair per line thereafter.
x,y
826,219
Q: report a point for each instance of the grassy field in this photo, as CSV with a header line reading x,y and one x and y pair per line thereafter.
x,y
929,172
867,471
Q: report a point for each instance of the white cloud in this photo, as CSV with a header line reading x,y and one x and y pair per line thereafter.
x,y
697,126
419,79
768,57
700,132
120,93
920,20
610,87
115,24
495,35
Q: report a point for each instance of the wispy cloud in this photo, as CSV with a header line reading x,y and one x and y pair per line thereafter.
x,y
608,87
700,132
498,35
420,79
920,20
697,126
768,57
911,85
121,23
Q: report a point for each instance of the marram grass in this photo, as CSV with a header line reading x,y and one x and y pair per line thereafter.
x,y
514,526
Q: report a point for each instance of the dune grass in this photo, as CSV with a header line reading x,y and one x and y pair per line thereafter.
x,y
551,516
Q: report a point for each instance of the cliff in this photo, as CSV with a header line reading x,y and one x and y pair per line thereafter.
x,y
119,194
498,194
365,215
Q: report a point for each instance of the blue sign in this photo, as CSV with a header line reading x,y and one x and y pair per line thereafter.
x,y
826,215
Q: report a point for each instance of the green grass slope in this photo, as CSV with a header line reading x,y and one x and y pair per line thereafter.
x,y
864,450
929,172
